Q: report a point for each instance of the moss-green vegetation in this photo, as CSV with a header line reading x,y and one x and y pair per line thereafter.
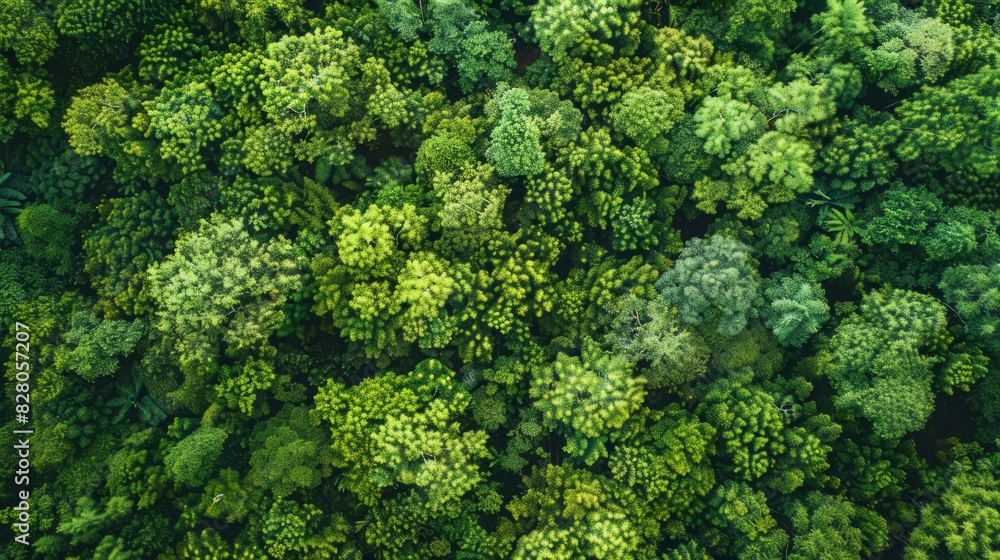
x,y
497,279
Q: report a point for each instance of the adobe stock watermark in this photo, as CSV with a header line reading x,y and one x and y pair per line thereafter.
x,y
22,437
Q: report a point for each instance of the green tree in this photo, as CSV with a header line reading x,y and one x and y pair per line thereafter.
x,y
637,227
964,523
564,31
568,513
293,530
321,98
668,464
650,331
604,175
797,310
882,360
307,78
912,50
743,517
725,123
647,115
487,58
208,544
382,287
947,126
192,460
775,169
240,385
103,30
60,176
403,16
587,400
89,519
964,366
974,292
289,453
756,27
51,235
133,471
844,28
168,51
403,454
687,551
832,527
28,40
960,232
133,233
221,292
906,214
11,204
473,202
107,119
713,283
748,422
861,156
515,143
94,348
186,120
448,21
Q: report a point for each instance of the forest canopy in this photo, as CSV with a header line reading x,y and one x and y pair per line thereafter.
x,y
493,279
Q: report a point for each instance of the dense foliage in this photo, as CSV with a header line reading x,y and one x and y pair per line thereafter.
x,y
493,279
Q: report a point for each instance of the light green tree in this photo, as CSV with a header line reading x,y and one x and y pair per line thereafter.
x,y
403,453
472,205
963,523
515,143
725,123
844,28
775,169
749,424
564,31
383,288
569,513
221,292
587,400
647,115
